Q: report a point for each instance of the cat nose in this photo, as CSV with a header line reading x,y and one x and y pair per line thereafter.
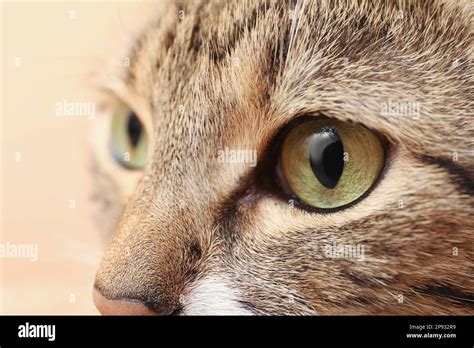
x,y
122,306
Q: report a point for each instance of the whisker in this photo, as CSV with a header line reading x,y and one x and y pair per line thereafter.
x,y
295,24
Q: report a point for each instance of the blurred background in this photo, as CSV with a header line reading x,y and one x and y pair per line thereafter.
x,y
49,51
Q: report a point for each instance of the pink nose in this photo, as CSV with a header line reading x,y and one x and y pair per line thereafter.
x,y
120,306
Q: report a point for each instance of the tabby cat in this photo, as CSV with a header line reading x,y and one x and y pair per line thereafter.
x,y
290,157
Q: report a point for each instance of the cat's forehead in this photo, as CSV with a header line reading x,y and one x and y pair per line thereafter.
x,y
351,60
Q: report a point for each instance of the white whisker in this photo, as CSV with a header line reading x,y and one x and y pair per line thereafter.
x,y
295,23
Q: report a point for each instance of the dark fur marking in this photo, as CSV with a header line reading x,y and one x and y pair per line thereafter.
x,y
461,176
219,51
449,293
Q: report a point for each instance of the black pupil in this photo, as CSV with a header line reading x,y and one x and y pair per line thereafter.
x,y
326,156
134,129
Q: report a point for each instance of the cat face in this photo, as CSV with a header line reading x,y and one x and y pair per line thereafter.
x,y
305,157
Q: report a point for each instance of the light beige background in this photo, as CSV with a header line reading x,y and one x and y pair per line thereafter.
x,y
58,54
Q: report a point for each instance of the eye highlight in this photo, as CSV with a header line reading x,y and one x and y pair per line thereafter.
x,y
327,163
128,141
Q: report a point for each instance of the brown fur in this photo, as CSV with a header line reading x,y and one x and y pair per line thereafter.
x,y
244,69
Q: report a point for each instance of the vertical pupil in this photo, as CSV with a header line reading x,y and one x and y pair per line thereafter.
x,y
134,129
326,156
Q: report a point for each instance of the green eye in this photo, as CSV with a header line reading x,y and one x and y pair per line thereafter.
x,y
129,140
328,164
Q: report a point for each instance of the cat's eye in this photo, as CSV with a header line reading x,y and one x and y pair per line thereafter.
x,y
128,141
327,163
